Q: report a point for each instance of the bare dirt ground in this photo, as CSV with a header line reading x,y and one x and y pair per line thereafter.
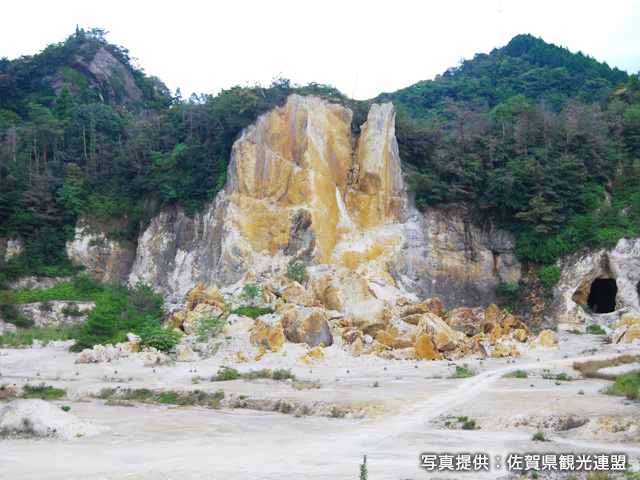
x,y
410,412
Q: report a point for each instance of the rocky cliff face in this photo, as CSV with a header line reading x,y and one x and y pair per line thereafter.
x,y
302,188
577,300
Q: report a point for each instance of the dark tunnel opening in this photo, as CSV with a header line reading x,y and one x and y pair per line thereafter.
x,y
602,296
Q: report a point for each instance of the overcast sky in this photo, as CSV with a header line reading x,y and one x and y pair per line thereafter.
x,y
361,47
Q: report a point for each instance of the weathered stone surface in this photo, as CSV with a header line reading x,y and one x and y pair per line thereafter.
x,y
350,336
236,324
466,320
520,335
579,270
186,353
55,313
433,305
349,293
307,325
295,293
473,347
444,337
104,258
386,338
297,189
268,332
545,339
204,295
505,347
425,348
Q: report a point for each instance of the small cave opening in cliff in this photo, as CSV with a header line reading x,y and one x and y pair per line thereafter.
x,y
602,296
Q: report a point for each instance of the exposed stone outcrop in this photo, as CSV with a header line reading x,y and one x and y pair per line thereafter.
x,y
104,258
55,313
301,188
579,270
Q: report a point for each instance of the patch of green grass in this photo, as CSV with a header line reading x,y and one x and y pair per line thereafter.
x,y
168,397
463,371
140,395
627,385
225,373
282,375
42,391
539,437
463,419
252,312
44,334
263,373
575,332
596,329
469,425
65,408
306,385
516,374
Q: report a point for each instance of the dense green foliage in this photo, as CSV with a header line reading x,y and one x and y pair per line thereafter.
x,y
120,310
530,137
627,384
73,143
533,138
550,275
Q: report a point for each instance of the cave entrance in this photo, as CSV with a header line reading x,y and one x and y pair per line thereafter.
x,y
602,296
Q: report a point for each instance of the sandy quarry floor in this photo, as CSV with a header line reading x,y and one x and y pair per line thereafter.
x,y
393,424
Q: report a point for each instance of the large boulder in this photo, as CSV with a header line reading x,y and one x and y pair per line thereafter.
x,y
268,332
425,348
348,292
466,320
627,329
545,339
445,338
296,294
307,325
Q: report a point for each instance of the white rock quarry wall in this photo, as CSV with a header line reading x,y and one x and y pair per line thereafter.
x,y
300,188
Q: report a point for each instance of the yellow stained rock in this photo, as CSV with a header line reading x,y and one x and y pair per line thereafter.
x,y
425,348
545,339
446,339
269,334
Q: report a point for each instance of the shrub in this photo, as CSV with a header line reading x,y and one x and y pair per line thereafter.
x,y
463,371
336,413
225,373
539,437
65,408
550,276
596,329
469,425
297,272
252,294
168,397
627,384
154,335
363,469
282,375
508,290
42,391
517,374
252,312
209,326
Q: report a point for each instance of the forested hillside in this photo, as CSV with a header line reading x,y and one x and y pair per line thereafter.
x,y
531,136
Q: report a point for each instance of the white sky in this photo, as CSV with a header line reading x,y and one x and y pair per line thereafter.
x,y
361,47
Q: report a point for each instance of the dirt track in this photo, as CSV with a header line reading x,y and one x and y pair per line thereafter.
x,y
393,424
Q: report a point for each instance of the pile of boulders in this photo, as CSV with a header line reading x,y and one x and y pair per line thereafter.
x,y
338,308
